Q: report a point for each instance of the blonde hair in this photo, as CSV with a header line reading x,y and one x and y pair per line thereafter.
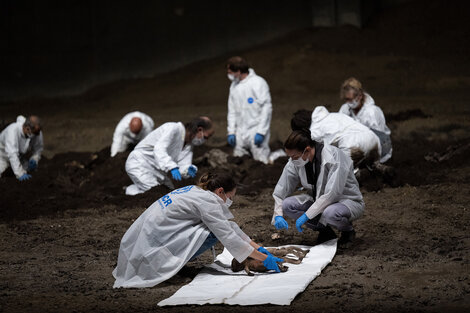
x,y
351,84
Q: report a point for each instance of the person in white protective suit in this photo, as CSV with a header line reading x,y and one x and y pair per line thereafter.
x,y
249,113
178,228
341,131
361,107
167,149
333,198
132,128
19,140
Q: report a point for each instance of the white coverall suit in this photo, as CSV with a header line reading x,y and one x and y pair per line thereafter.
x,y
336,183
372,116
249,113
342,131
14,145
163,239
158,153
123,137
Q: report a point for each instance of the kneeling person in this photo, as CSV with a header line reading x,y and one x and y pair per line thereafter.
x,y
179,227
166,150
333,197
16,142
132,128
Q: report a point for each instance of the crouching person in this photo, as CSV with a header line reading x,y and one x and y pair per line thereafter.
x,y
180,226
19,140
333,198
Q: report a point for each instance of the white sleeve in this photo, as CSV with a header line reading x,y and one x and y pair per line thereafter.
x,y
345,109
337,176
119,144
185,161
264,100
213,217
285,186
240,232
37,145
376,119
231,115
163,160
13,154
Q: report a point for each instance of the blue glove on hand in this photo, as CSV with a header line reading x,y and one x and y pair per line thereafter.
x,y
32,165
270,263
176,174
259,139
300,221
280,223
24,177
263,250
231,140
192,170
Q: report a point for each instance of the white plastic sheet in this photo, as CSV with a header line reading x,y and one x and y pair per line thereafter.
x,y
217,284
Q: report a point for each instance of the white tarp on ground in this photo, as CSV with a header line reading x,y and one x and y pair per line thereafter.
x,y
217,284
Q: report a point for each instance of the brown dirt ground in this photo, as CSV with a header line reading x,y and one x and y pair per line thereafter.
x,y
60,232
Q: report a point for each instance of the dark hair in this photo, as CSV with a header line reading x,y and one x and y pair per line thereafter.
x,y
212,181
301,120
299,140
200,121
32,122
237,63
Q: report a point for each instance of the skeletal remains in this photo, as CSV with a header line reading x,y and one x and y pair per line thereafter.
x,y
290,254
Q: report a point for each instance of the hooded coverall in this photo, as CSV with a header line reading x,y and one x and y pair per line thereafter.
x,y
372,116
167,235
14,144
123,137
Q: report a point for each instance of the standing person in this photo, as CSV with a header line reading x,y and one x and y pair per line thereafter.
x,y
16,141
333,198
178,228
339,130
132,128
249,112
166,150
361,107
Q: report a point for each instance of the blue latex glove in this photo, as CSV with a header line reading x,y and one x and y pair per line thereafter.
x,y
32,165
280,223
259,139
192,170
300,221
24,177
263,250
231,140
176,174
270,263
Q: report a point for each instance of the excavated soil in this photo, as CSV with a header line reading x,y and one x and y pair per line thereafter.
x,y
60,231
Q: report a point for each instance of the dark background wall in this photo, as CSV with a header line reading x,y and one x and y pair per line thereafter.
x,y
64,47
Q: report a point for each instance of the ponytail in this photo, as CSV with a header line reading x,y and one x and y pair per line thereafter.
x,y
212,181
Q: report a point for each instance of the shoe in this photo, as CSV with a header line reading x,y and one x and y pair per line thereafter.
x,y
325,234
347,238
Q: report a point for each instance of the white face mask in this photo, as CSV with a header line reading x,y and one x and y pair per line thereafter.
x,y
232,78
300,162
353,104
228,201
198,141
